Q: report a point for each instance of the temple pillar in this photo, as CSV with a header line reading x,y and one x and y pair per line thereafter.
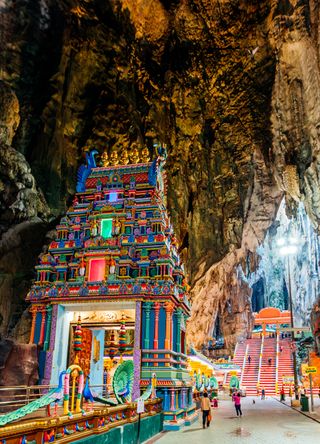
x,y
48,327
33,312
43,321
264,327
172,399
179,314
51,346
137,353
190,397
146,342
156,306
166,400
169,307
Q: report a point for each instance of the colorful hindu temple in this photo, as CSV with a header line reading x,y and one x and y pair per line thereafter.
x,y
111,286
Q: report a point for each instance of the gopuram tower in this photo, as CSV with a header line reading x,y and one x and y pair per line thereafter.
x,y
115,260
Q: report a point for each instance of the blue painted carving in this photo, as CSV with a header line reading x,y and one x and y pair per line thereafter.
x,y
152,173
84,170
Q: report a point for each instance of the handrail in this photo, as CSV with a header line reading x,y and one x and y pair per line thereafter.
x,y
277,363
260,360
244,363
235,350
10,400
225,378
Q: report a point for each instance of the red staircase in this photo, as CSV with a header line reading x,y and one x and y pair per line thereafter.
x,y
238,358
285,367
250,376
268,371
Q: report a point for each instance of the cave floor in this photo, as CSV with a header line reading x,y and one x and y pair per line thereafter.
x,y
265,422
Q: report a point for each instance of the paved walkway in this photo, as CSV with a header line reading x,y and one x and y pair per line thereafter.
x,y
265,422
316,405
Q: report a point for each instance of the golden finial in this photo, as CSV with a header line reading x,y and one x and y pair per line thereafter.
x,y
134,154
114,158
125,157
104,161
145,155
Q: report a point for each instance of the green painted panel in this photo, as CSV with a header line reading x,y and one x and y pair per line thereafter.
x,y
106,228
149,427
112,437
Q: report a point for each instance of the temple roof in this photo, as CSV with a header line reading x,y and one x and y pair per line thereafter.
x,y
115,240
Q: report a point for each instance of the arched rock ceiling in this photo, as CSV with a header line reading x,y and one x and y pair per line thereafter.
x,y
231,87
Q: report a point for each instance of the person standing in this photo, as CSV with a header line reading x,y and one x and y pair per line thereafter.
x,y
263,394
249,359
282,394
206,410
237,403
269,361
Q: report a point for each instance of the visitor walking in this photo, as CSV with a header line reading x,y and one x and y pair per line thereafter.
x,y
281,348
237,403
263,394
282,394
269,361
206,410
249,359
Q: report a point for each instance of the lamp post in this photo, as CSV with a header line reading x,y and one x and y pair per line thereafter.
x,y
310,380
289,246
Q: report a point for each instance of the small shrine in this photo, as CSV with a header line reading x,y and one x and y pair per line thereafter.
x,y
111,286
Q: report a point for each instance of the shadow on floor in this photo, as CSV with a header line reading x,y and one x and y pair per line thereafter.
x,y
192,430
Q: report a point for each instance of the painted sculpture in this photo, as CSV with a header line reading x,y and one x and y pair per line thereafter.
x,y
123,381
54,395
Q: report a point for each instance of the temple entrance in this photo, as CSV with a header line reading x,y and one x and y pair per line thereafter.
x,y
106,339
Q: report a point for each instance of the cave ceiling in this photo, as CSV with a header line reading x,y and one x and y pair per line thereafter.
x,y
231,87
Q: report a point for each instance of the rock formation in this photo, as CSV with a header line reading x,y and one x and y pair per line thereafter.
x,y
21,229
232,89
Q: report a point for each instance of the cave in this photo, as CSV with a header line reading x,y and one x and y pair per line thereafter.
x,y
270,279
230,88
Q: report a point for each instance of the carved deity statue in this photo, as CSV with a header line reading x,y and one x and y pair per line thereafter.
x,y
104,161
82,269
112,268
125,157
94,228
145,156
134,154
117,226
114,158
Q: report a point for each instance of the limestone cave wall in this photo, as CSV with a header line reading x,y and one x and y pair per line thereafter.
x,y
229,86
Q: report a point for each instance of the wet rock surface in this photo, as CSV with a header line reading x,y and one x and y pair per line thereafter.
x,y
18,367
230,87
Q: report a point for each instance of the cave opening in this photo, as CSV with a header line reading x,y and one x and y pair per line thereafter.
x,y
270,280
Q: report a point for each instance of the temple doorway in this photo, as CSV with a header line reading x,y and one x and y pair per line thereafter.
x,y
107,338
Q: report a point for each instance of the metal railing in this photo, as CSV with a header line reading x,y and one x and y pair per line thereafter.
x,y
14,397
260,360
277,364
244,364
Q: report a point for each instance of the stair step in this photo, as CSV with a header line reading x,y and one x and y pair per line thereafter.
x,y
267,372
